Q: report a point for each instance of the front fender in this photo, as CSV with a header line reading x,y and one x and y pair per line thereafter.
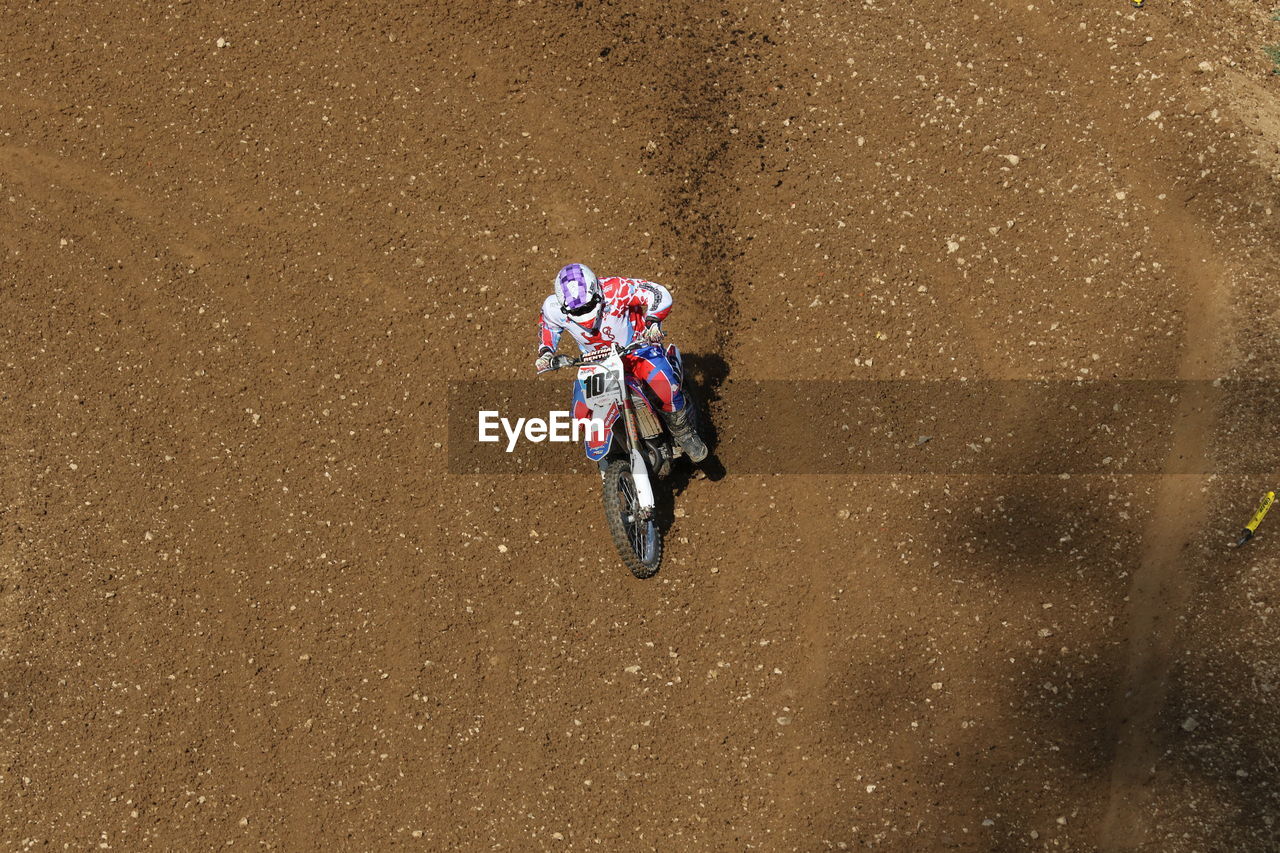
x,y
597,450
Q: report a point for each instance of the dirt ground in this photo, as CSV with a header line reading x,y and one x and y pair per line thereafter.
x,y
246,246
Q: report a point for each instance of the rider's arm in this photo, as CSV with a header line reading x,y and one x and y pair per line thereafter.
x,y
652,299
548,335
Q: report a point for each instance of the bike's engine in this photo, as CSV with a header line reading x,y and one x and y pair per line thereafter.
x,y
646,421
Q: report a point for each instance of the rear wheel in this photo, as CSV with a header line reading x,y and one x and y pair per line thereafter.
x,y
637,539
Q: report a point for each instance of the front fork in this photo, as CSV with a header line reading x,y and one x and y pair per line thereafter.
x,y
644,489
639,470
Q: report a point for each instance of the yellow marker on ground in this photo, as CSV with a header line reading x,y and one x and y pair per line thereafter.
x,y
1252,527
1137,4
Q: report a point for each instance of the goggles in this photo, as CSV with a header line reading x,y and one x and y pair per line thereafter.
x,y
584,309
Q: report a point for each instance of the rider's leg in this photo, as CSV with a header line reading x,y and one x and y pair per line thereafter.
x,y
651,366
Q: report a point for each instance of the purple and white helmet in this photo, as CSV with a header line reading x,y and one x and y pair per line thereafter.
x,y
578,291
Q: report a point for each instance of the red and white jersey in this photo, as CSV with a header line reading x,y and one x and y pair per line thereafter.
x,y
628,303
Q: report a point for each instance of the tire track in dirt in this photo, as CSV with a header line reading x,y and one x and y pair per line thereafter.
x,y
1161,585
695,168
701,198
192,246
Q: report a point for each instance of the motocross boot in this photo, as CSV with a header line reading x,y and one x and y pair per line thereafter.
x,y
678,423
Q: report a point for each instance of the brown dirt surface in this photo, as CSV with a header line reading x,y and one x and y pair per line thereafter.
x,y
246,246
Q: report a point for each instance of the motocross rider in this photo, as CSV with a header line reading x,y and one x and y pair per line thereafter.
x,y
600,312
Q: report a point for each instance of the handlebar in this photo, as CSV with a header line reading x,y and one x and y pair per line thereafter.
x,y
559,362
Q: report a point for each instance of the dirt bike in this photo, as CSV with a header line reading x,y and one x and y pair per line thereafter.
x,y
636,448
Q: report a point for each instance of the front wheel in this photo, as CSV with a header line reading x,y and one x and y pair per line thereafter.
x,y
637,539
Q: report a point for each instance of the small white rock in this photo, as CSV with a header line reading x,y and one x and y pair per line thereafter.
x,y
1013,159
1153,115
1190,724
